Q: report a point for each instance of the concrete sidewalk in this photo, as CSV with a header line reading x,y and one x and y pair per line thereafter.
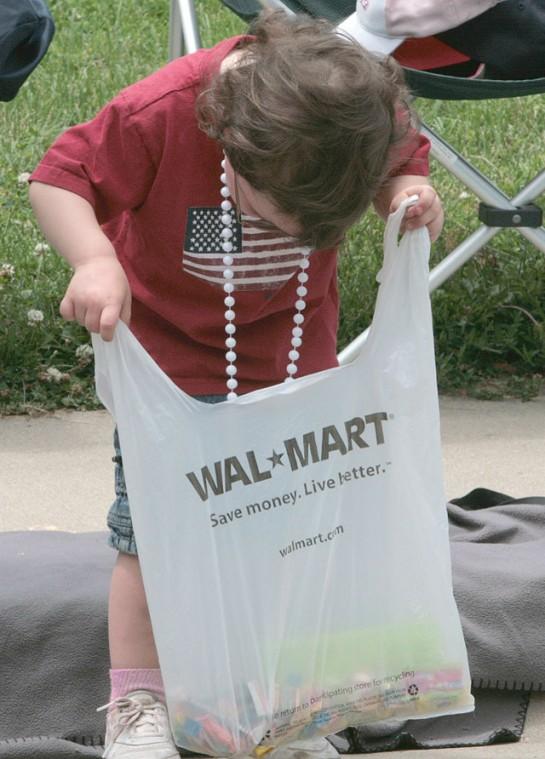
x,y
56,473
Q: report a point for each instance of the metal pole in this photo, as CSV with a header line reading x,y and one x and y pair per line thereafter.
x,y
184,34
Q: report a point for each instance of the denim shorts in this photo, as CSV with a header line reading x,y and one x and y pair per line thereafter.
x,y
119,517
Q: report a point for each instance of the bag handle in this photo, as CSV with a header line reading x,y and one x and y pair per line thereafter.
x,y
391,235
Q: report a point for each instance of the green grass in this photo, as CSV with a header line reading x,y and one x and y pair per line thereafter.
x,y
489,318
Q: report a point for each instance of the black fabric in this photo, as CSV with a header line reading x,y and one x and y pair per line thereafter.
x,y
498,718
26,30
428,84
334,11
509,38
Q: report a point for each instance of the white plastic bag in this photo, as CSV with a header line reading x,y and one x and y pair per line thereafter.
x,y
294,542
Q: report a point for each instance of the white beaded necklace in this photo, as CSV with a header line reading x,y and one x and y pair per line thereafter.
x,y
229,301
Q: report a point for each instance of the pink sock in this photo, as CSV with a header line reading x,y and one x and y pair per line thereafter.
x,y
125,681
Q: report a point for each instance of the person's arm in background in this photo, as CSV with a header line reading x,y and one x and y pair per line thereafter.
x,y
98,293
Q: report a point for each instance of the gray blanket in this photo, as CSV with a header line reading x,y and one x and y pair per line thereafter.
x,y
53,631
53,637
498,564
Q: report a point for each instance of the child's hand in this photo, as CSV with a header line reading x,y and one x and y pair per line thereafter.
x,y
427,212
98,295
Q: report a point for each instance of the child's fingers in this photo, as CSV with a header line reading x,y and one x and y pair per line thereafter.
x,y
422,220
427,198
92,319
398,200
424,215
67,310
108,319
432,220
413,212
426,212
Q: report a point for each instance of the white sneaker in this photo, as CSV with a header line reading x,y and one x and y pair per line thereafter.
x,y
311,748
137,727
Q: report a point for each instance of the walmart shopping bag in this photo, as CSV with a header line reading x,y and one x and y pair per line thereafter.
x,y
294,542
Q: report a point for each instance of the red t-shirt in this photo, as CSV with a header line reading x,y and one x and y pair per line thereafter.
x,y
145,166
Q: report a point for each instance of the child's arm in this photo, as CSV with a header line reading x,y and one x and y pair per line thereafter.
x,y
427,212
98,293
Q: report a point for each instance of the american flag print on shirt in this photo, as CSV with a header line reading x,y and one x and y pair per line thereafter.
x,y
264,258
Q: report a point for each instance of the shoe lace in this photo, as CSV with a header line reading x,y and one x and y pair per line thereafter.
x,y
133,712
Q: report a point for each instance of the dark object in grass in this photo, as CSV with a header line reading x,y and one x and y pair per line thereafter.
x,y
26,30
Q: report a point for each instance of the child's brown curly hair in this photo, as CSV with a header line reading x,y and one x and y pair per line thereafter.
x,y
310,118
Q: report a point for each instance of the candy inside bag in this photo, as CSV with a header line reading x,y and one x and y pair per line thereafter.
x,y
251,720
